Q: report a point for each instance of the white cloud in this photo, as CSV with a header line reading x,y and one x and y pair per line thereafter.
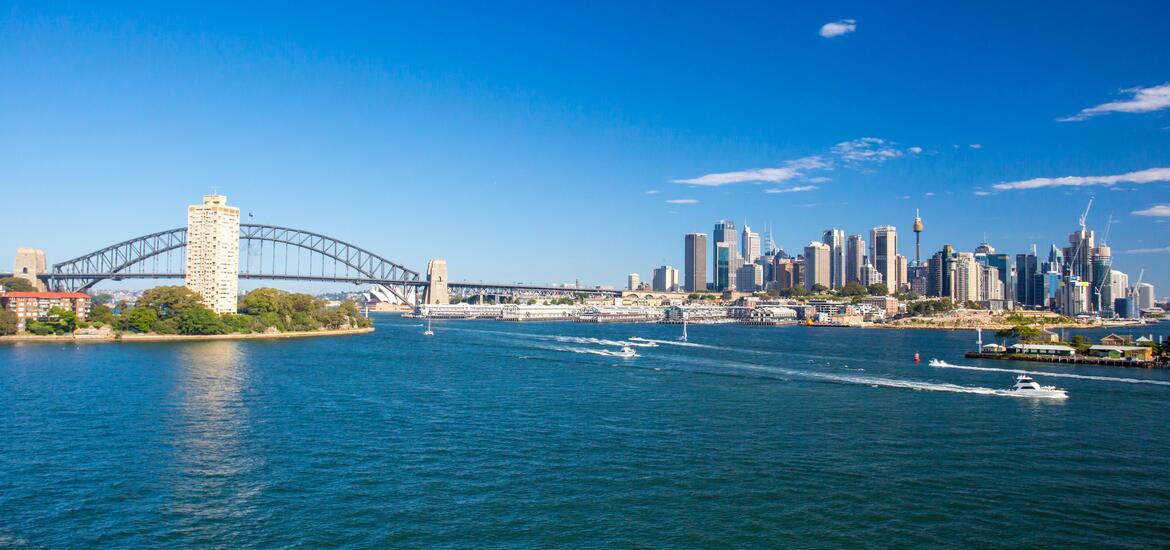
x,y
1157,211
796,189
1144,100
930,193
976,146
866,149
791,169
1163,250
982,193
838,28
652,192
683,201
1141,176
915,150
818,179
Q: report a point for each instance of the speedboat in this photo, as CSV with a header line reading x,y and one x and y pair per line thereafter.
x,y
626,352
1027,387
642,342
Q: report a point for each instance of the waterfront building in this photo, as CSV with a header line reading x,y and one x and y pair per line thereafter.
x,y
723,256
695,262
817,264
835,239
632,281
665,279
1143,296
213,252
854,258
724,234
884,243
751,245
36,305
749,278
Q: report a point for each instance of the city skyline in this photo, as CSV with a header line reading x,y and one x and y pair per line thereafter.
x,y
309,124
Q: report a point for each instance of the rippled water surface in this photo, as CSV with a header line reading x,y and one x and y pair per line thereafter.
x,y
518,435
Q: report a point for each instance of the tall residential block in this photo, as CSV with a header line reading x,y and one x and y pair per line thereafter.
x,y
835,238
213,252
816,265
884,241
695,265
633,281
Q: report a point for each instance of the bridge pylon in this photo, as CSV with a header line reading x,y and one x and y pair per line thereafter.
x,y
436,292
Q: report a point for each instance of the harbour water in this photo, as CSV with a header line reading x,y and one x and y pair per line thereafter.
x,y
520,435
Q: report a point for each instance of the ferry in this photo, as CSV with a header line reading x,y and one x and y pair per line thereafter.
x,y
1027,387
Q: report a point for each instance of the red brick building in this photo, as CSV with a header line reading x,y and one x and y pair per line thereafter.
x,y
36,305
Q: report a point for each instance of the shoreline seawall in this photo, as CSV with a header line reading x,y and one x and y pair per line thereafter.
x,y
72,339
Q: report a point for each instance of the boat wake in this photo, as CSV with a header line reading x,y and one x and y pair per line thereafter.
x,y
678,343
937,363
593,351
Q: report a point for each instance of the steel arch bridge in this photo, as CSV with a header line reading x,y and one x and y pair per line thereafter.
x,y
266,252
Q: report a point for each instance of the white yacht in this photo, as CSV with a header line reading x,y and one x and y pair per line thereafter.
x,y
428,331
1027,387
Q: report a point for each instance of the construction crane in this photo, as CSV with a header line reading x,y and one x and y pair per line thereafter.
x,y
1108,226
1085,215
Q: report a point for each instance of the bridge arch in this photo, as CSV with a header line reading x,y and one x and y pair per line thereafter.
x,y
115,261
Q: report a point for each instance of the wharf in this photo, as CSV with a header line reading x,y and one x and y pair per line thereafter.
x,y
1076,360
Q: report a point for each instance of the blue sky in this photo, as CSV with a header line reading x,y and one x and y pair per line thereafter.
x,y
546,141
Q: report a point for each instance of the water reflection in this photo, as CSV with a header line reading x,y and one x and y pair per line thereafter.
x,y
211,456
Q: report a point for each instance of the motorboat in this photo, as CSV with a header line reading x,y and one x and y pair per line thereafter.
x,y
1027,387
627,352
642,342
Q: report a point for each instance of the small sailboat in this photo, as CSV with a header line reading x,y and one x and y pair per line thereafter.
x,y
683,338
428,331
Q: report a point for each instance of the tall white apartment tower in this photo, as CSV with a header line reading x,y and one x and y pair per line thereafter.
x,y
213,252
750,244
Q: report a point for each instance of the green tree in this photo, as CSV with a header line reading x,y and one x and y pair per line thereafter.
x,y
102,299
16,284
140,319
200,321
8,322
854,288
819,288
878,289
169,301
101,314
797,291
61,320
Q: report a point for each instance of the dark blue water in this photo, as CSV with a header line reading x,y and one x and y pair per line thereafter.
x,y
497,434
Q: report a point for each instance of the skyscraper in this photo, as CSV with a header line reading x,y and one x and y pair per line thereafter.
x,y
751,245
854,258
835,238
941,282
213,252
1027,279
695,264
723,255
633,281
884,241
749,278
1101,265
966,277
817,265
724,234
